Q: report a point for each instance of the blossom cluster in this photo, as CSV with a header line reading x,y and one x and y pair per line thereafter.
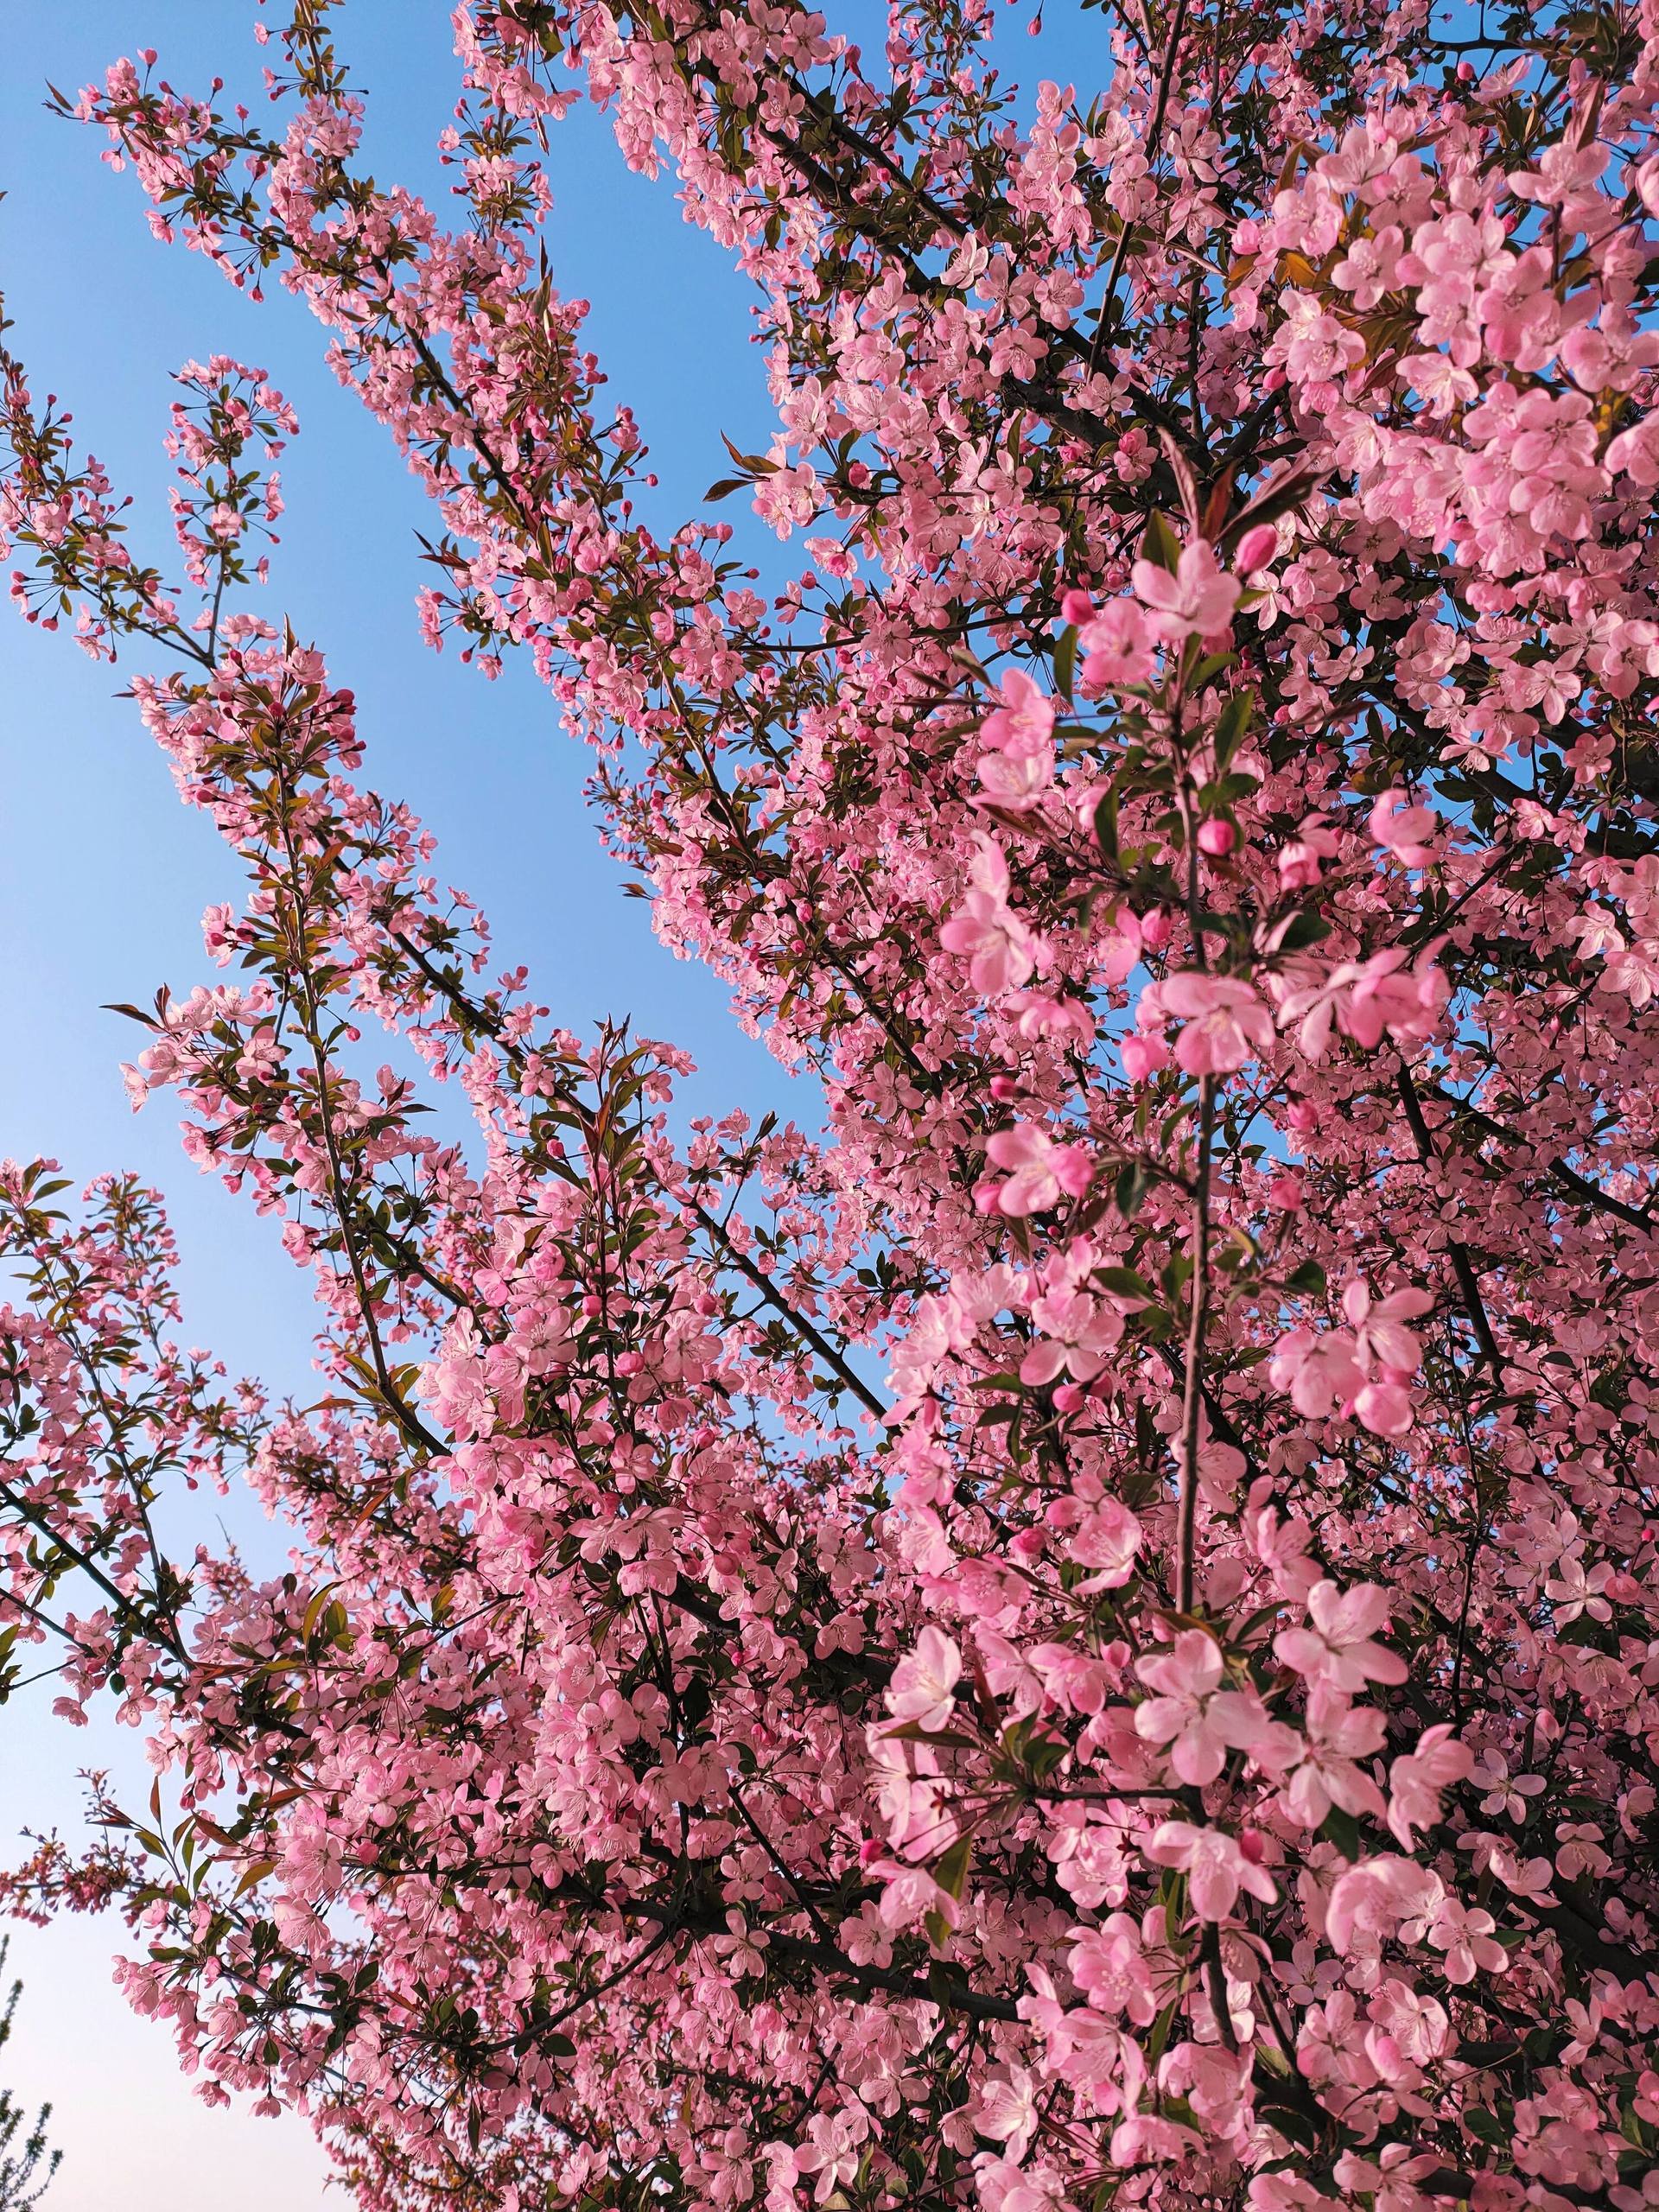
x,y
1086,1634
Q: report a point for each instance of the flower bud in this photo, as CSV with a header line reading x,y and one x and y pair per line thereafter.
x,y
1256,547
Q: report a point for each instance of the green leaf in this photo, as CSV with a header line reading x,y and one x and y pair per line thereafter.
x,y
1301,931
951,1871
1231,724
1106,823
1065,661
1308,1278
1129,1192
1160,544
1161,2028
1342,1829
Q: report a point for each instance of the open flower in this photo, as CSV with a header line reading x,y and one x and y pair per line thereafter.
x,y
1226,1024
923,1683
1078,1333
1215,1866
1001,950
1038,1169
1185,1677
1337,1648
1198,600
1403,829
1417,1778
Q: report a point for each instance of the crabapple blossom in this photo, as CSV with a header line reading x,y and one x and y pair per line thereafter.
x,y
1163,747
1225,1022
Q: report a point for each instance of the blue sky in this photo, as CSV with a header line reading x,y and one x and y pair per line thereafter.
x,y
103,876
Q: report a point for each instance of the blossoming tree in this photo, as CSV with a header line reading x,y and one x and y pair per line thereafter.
x,y
1091,1636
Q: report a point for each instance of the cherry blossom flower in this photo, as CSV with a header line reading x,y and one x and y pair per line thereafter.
x,y
1215,1866
1336,1734
1039,1171
923,1689
1198,599
1182,1714
1226,1024
1337,1648
1116,644
1418,1779
1464,1933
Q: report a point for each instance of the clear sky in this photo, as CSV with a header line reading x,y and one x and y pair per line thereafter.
x,y
104,877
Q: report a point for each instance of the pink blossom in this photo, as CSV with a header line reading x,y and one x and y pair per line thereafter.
x,y
1117,647
1142,1056
1216,1867
1105,1541
923,1689
1109,1964
1001,950
1185,1678
1320,1370
1225,1023
1379,1897
1077,1334
1017,766
1039,1171
1402,828
1418,1779
834,2148
1573,1591
1337,1649
1336,1734
1256,547
1198,600
1464,1933
1364,999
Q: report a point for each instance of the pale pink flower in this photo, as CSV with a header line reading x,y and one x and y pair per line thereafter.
x,y
1001,950
1504,1794
1109,1964
1379,1897
1337,1648
1007,2110
1319,1369
1403,828
1077,1334
1225,1023
1198,600
1038,1169
1014,781
1380,1333
1362,998
1464,1933
1417,1779
1145,2140
1337,1733
833,2147
1216,1867
909,1893
1117,645
922,1688
1106,1540
1573,1591
1185,1677
1018,763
